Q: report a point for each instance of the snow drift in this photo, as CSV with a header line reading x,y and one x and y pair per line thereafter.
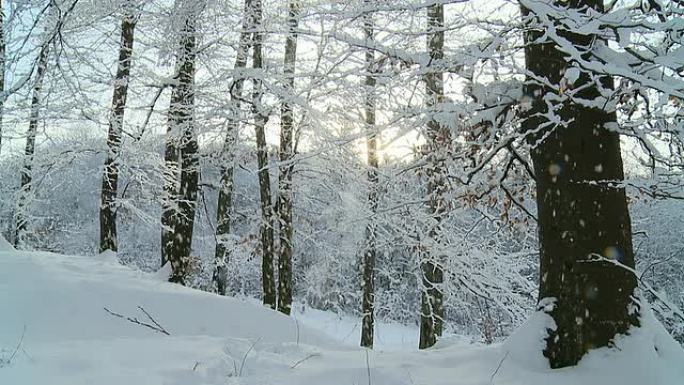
x,y
55,331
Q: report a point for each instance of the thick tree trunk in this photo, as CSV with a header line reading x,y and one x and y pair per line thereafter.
x,y
285,194
181,109
438,139
187,203
584,225
225,198
260,119
110,177
26,172
368,261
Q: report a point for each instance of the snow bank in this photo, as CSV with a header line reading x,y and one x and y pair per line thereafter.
x,y
69,338
57,302
4,245
648,355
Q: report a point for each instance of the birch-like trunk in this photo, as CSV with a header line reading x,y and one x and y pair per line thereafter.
x,y
29,149
438,139
110,177
285,193
260,119
2,66
368,261
225,198
184,147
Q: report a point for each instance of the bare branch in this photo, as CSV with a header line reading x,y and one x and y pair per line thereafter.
x,y
155,326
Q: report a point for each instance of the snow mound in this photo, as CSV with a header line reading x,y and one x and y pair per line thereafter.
x,y
647,355
163,273
58,303
525,345
55,330
4,245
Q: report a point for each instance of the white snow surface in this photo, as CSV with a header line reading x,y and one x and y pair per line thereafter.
x,y
4,245
54,330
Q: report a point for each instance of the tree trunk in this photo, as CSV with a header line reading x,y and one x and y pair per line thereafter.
x,y
2,67
26,172
110,178
438,139
368,262
181,121
285,194
169,199
225,198
260,119
585,240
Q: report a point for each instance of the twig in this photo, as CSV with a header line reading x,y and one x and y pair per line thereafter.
x,y
644,285
16,349
153,320
312,355
156,327
149,113
368,368
244,358
230,355
655,263
297,326
491,379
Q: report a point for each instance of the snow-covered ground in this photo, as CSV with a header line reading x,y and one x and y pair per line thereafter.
x,y
54,330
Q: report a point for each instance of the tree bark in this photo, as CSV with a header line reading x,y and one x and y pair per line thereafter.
x,y
2,67
181,121
225,198
585,240
29,150
110,177
169,199
285,193
368,262
260,119
438,139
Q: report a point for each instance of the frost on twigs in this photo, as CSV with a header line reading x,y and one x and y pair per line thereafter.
x,y
8,355
154,325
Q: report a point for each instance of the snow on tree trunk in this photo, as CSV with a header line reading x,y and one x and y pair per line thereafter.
x,y
260,119
26,171
2,67
181,122
110,177
368,262
285,198
225,198
171,175
432,307
585,240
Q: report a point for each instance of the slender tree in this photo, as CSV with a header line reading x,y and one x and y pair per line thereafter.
x,y
2,66
585,244
368,262
285,194
169,199
260,119
29,150
225,198
110,177
438,138
181,122
171,175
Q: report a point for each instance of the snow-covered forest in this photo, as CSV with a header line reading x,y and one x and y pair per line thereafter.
x,y
480,190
